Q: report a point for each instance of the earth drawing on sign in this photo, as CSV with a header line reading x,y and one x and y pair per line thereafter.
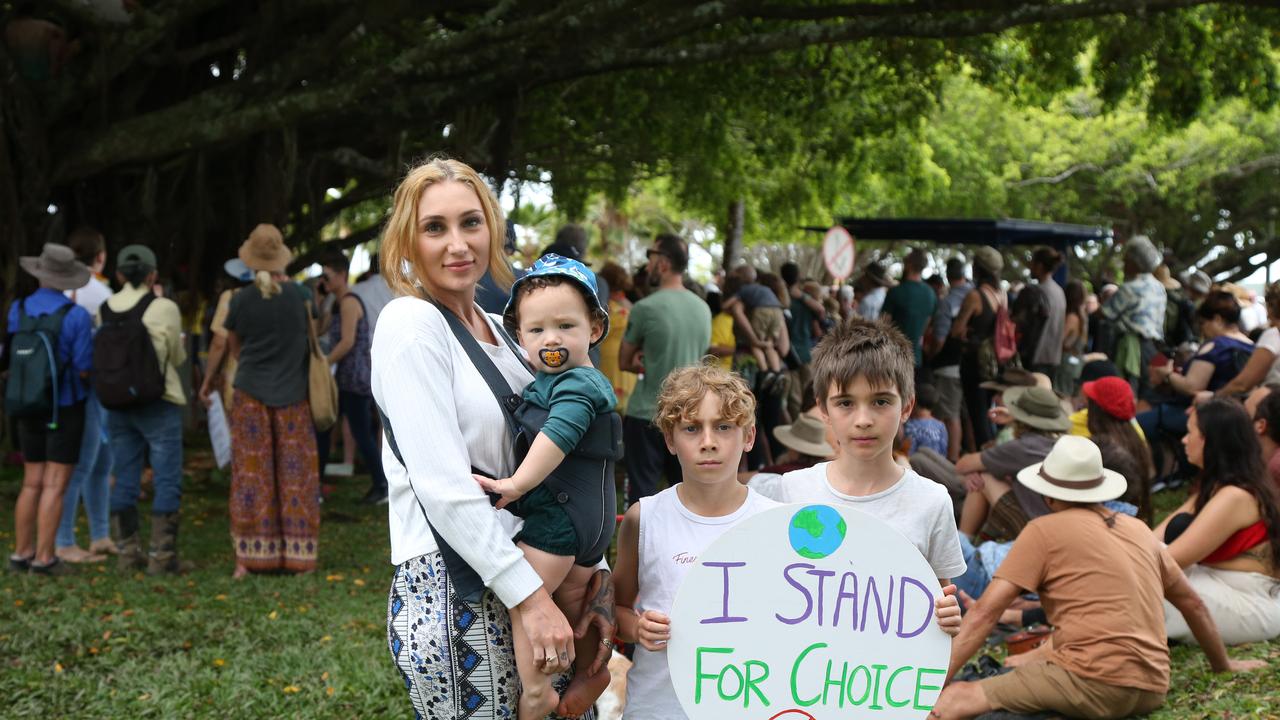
x,y
816,531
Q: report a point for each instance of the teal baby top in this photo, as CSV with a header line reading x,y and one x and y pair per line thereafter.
x,y
572,398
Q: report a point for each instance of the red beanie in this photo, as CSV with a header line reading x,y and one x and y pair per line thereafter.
x,y
1112,394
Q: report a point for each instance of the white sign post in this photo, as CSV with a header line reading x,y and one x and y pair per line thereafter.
x,y
808,612
838,252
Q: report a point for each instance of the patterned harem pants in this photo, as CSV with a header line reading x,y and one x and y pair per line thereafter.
x,y
275,486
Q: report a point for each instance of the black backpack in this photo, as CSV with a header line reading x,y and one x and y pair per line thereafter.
x,y
34,368
126,373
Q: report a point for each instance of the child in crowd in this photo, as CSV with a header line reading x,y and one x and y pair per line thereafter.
x,y
923,429
760,318
863,377
555,313
708,418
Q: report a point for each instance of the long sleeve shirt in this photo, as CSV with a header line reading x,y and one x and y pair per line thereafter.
x,y
446,420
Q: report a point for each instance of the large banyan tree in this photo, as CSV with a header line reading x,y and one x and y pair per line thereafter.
x,y
183,123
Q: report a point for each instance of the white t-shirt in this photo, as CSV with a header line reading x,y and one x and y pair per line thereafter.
x,y
1270,340
91,296
918,508
671,538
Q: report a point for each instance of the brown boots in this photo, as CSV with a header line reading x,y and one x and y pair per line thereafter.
x,y
164,546
163,557
124,529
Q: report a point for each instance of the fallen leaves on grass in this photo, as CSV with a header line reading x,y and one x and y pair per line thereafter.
x,y
57,667
273,615
290,689
335,577
219,662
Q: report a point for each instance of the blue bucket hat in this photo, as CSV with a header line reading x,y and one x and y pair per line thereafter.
x,y
552,264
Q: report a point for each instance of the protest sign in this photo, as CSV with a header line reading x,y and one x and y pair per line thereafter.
x,y
808,611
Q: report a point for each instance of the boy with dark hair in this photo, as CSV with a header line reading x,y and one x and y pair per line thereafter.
x,y
863,379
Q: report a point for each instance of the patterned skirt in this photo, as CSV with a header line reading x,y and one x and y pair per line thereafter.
x,y
275,505
456,658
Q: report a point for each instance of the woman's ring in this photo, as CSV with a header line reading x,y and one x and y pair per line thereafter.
x,y
606,644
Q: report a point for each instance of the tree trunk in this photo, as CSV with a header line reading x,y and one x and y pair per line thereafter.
x,y
733,234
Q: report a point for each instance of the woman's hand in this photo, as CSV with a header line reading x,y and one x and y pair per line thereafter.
x,y
505,487
973,482
598,610
654,630
946,610
548,631
206,389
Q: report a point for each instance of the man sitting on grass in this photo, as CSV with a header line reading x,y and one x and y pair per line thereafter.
x,y
1101,576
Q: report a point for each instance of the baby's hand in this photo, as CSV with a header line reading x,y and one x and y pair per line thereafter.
x,y
504,487
654,630
946,610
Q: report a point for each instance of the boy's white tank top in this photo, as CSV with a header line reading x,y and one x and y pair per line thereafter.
x,y
671,538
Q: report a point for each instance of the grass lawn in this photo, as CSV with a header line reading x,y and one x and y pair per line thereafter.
x,y
103,645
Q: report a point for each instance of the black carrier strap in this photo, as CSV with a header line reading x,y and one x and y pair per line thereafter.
x,y
464,578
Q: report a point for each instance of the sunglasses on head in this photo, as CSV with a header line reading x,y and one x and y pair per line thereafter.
x,y
659,253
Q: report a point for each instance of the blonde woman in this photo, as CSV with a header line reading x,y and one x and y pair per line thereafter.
x,y
457,569
275,506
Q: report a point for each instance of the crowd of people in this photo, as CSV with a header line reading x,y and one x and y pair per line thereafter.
x,y
1014,429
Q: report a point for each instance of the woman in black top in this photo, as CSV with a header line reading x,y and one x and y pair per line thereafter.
x,y
976,325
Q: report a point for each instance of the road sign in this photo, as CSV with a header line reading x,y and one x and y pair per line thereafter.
x,y
838,252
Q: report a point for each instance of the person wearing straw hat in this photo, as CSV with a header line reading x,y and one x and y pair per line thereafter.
x,y
50,444
275,510
1101,576
997,506
151,431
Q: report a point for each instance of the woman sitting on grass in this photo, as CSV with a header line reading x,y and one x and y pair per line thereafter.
x,y
1225,534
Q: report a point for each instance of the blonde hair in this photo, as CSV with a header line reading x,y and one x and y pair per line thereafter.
x,y
683,390
400,263
266,284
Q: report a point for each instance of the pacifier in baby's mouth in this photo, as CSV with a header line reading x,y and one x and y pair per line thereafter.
x,y
554,357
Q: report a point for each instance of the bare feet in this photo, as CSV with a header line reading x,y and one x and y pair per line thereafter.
x,y
77,554
240,572
104,546
582,692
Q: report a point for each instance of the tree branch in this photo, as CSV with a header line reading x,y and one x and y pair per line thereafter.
x,y
310,256
1055,179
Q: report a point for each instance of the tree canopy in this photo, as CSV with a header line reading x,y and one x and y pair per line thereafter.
x,y
182,123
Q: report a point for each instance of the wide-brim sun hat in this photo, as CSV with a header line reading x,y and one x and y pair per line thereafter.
x,y
1037,407
57,267
876,273
806,435
264,249
1010,377
552,264
1073,472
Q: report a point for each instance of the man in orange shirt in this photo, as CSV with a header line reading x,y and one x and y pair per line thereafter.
x,y
1101,576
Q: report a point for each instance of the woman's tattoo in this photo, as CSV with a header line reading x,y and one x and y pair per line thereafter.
x,y
602,603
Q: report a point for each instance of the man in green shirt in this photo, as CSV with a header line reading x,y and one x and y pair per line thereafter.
x,y
669,329
912,302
